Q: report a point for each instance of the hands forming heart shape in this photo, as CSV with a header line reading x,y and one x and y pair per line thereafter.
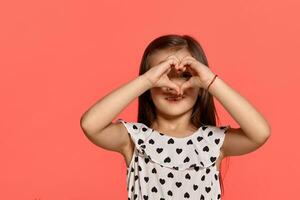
x,y
199,74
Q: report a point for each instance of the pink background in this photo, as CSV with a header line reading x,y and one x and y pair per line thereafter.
x,y
60,57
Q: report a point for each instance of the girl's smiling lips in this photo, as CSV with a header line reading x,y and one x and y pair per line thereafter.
x,y
174,98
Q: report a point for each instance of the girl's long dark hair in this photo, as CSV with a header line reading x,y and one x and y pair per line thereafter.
x,y
204,111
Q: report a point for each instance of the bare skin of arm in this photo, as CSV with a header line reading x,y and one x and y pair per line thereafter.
x,y
254,130
97,123
98,127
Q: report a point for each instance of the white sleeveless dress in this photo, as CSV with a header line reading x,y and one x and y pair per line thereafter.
x,y
170,168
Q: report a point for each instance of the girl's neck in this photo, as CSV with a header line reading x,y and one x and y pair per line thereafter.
x,y
174,130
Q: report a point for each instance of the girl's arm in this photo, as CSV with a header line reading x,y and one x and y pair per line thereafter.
x,y
254,130
99,115
96,122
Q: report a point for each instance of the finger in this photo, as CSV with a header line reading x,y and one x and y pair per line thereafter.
x,y
186,85
175,63
167,66
170,63
174,86
186,62
174,57
182,67
188,57
191,65
167,72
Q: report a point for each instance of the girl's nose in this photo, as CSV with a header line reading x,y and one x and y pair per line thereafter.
x,y
170,91
178,82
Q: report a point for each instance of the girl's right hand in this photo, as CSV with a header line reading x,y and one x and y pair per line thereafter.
x,y
158,75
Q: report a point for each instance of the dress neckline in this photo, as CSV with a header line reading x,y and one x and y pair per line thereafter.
x,y
176,138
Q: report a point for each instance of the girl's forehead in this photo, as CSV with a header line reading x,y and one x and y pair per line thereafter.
x,y
162,55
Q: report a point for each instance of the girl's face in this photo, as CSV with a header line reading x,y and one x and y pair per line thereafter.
x,y
166,107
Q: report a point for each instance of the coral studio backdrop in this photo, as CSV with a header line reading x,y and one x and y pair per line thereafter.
x,y
58,57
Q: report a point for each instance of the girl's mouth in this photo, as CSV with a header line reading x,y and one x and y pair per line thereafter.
x,y
174,99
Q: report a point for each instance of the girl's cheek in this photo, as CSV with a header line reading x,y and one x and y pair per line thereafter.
x,y
193,91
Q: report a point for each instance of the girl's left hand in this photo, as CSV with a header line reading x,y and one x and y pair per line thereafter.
x,y
201,74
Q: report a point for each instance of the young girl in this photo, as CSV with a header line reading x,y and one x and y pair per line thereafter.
x,y
175,149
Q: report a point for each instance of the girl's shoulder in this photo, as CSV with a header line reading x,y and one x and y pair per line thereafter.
x,y
198,150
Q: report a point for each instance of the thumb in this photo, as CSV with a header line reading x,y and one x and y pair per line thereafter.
x,y
185,85
173,86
